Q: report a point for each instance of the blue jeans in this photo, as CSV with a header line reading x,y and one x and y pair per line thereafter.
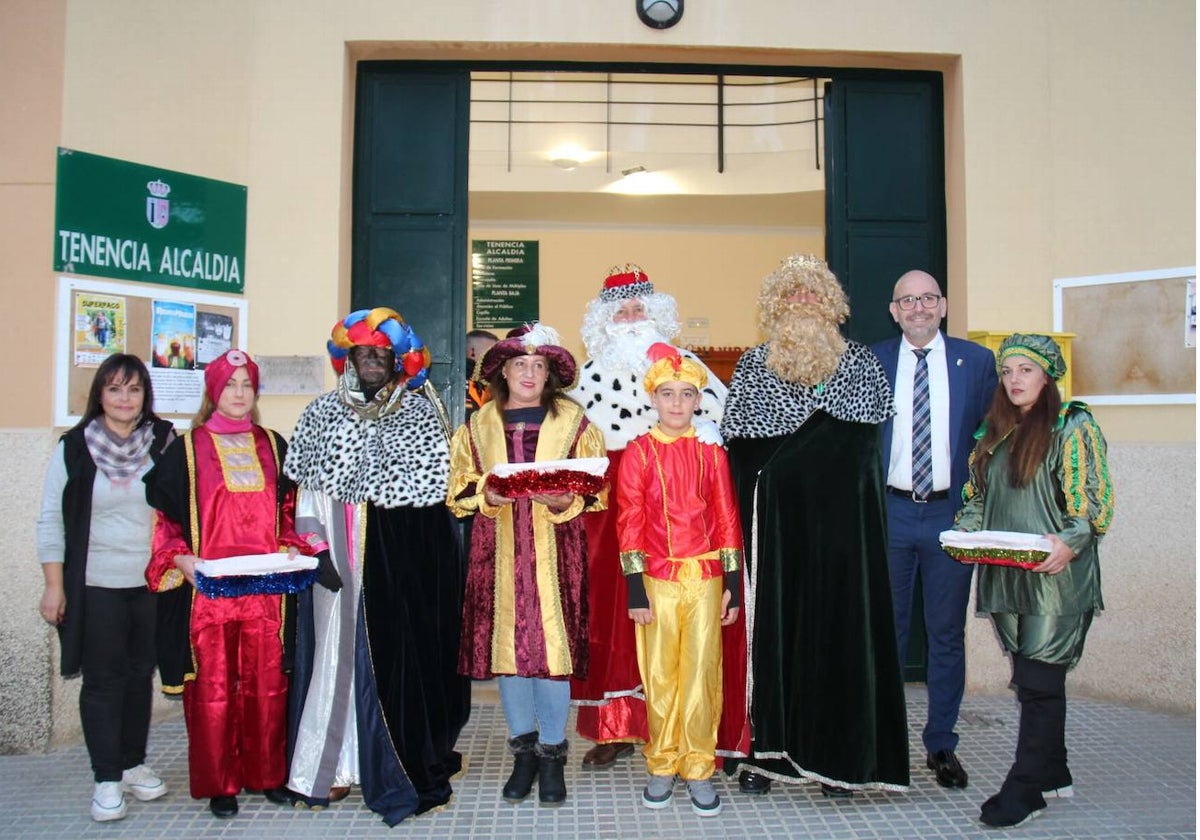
x,y
538,705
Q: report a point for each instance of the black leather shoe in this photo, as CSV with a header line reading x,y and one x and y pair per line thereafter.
x,y
945,765
279,795
753,783
835,792
606,755
223,806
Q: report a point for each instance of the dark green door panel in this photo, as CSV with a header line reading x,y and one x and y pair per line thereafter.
x,y
885,190
410,208
412,260
415,119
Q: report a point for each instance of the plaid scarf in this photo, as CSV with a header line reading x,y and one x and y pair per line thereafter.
x,y
118,458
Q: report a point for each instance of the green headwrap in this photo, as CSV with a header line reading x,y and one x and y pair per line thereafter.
x,y
1041,349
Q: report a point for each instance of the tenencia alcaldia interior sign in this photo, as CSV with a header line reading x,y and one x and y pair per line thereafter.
x,y
114,218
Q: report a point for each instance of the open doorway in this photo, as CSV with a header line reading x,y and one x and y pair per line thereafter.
x,y
708,233
705,180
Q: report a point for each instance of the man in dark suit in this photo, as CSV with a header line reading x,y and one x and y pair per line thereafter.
x,y
942,387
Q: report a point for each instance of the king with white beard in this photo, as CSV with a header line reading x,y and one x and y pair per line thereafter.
x,y
620,325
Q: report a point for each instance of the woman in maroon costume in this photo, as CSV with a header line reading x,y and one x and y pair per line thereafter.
x,y
525,612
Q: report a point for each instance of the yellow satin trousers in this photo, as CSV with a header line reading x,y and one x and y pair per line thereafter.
x,y
679,656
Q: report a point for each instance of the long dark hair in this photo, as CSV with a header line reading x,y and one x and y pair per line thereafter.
x,y
119,367
1030,433
498,385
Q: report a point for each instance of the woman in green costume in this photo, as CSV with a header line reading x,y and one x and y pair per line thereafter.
x,y
1040,466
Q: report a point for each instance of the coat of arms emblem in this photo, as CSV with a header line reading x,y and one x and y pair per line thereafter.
x,y
158,208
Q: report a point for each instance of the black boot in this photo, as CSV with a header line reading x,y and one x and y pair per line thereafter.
x,y
1040,690
1020,797
1056,780
525,767
1014,805
552,787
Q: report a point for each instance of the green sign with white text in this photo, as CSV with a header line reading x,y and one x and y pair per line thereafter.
x,y
113,218
504,282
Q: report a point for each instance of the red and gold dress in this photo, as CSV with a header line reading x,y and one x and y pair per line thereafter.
x,y
218,496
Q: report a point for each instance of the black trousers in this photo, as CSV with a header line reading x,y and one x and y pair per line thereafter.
x,y
118,670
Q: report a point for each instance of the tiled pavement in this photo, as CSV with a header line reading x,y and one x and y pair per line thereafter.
x,y
1135,777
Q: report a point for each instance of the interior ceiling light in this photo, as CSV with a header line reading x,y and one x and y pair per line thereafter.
x,y
641,181
568,156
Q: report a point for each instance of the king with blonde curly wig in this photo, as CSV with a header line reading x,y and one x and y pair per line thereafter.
x,y
801,304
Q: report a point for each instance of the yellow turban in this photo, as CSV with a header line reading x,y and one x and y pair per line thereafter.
x,y
669,365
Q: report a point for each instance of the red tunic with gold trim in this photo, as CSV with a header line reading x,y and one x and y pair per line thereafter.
x,y
222,495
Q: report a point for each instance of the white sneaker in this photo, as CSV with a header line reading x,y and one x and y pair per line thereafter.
x,y
108,802
143,783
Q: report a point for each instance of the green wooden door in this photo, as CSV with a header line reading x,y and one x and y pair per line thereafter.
x,y
885,214
410,208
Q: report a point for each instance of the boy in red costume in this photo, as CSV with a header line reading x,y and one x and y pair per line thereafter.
x,y
681,554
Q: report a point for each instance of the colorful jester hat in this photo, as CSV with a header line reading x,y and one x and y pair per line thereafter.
x,y
381,327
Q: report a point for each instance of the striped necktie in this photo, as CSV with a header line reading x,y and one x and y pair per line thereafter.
x,y
922,445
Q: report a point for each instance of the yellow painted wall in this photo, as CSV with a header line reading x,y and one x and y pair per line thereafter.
x,y
31,80
1070,126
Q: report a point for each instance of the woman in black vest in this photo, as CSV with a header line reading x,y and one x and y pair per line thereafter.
x,y
93,537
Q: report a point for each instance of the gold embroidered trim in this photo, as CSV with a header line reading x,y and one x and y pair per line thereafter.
x,y
240,467
191,675
633,562
171,579
1104,488
731,559
278,466
189,449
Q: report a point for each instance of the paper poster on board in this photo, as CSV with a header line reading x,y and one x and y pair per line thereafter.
x,y
173,329
214,335
99,328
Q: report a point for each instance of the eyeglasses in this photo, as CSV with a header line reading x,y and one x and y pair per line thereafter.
x,y
928,301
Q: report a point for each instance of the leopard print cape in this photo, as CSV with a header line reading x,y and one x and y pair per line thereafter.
x,y
761,405
401,459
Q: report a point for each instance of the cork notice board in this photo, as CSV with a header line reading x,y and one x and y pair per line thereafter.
x,y
176,332
1134,335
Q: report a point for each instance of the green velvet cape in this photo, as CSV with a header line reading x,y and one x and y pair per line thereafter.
x,y
828,697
